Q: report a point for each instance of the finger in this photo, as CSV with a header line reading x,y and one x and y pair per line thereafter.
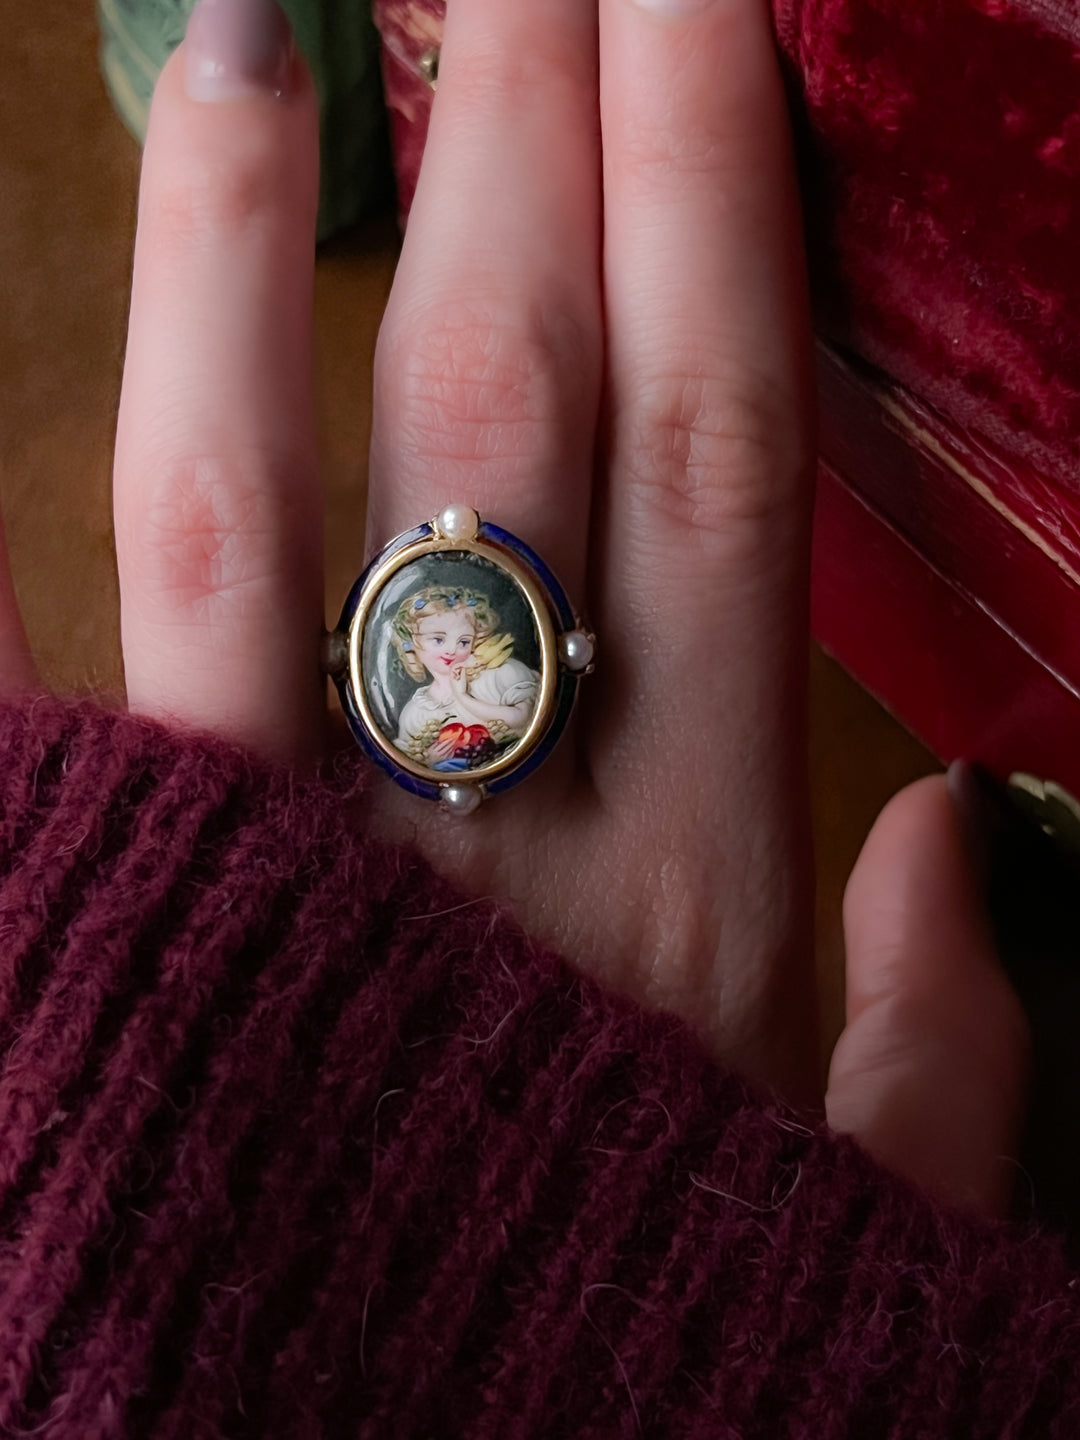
x,y
709,350
706,515
930,1072
17,671
218,521
488,363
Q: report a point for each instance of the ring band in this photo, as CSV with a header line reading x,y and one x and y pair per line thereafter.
x,y
457,658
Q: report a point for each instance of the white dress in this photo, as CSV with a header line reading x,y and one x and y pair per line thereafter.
x,y
422,717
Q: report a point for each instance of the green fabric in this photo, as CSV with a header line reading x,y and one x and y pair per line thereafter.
x,y
339,42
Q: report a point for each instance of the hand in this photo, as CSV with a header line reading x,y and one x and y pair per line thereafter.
x,y
440,750
620,372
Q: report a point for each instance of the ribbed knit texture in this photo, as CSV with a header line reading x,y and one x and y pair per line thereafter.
x,y
297,1142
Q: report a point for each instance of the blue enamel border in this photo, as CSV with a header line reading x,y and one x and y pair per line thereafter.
x,y
567,686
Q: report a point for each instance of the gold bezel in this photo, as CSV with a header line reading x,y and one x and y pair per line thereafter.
x,y
549,657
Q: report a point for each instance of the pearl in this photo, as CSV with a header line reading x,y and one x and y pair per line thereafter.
x,y
576,649
458,522
461,799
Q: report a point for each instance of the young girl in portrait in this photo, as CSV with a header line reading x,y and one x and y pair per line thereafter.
x,y
478,700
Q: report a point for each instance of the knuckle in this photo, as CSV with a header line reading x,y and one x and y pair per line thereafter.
x,y
206,531
710,459
670,154
469,384
499,76
201,202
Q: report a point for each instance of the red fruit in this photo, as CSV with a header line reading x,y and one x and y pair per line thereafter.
x,y
472,743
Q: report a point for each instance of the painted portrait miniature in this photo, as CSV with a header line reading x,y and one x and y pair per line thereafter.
x,y
452,663
457,659
473,699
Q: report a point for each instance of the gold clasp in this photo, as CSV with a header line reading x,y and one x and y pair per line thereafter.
x,y
428,65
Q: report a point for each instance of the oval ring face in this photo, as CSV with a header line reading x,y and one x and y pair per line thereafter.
x,y
454,684
451,664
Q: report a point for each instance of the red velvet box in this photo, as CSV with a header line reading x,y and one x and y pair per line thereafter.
x,y
939,146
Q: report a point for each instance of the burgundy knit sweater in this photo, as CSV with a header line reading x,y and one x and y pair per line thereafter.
x,y
296,1143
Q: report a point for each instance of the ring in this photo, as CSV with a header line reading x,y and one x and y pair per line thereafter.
x,y
457,658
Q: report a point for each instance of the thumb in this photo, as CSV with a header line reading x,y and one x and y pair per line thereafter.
x,y
930,1072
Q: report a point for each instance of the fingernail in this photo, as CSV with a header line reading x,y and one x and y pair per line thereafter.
x,y
235,49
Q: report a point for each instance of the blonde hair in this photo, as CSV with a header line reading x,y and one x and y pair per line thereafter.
x,y
443,600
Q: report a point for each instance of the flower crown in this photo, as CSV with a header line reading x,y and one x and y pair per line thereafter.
x,y
439,600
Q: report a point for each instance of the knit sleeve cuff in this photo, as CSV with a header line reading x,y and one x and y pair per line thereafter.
x,y
296,1141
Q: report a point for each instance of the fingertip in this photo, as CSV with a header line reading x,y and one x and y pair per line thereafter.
x,y
930,1073
238,50
918,861
215,107
236,165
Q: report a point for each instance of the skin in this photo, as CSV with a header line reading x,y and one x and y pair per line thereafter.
x,y
598,336
443,643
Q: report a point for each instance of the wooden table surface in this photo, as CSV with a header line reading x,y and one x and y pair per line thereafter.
x,y
68,178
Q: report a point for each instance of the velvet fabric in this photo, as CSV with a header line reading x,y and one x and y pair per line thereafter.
x,y
941,159
297,1142
411,30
